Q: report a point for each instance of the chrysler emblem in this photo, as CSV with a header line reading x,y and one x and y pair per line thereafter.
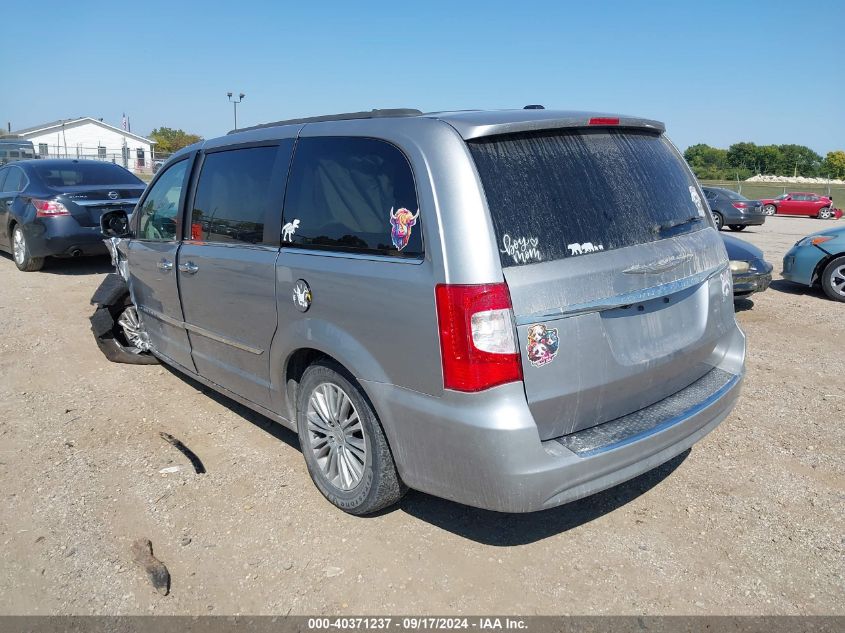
x,y
113,195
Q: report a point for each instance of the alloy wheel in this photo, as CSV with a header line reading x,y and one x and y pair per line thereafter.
x,y
130,323
837,280
825,213
336,436
18,246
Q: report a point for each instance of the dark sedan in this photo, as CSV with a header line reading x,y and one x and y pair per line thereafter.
x,y
53,207
732,209
751,273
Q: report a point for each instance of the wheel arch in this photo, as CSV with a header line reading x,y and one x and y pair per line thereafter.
x,y
815,278
319,340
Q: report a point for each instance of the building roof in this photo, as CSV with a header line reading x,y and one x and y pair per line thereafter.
x,y
46,127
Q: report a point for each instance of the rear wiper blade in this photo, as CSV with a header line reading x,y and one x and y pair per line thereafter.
x,y
675,224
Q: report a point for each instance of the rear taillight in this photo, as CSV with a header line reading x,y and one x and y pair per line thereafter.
x,y
604,120
49,208
477,341
741,205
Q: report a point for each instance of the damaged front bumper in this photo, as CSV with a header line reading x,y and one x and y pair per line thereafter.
x,y
110,300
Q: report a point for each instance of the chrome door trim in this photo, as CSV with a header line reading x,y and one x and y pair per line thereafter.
x,y
658,267
617,301
319,252
202,331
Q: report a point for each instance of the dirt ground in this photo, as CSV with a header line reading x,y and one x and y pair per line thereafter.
x,y
749,522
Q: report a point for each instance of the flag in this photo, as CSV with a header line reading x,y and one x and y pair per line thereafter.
x,y
125,122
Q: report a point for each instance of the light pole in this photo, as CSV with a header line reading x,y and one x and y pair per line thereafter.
x,y
235,105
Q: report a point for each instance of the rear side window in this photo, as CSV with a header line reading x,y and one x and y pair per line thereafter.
x,y
14,180
238,193
733,195
352,195
562,194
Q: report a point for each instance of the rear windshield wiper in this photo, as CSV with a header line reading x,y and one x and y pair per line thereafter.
x,y
659,228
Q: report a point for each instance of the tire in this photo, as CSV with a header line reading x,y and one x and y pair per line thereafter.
x,y
111,338
833,279
769,209
368,483
736,227
825,213
719,220
20,252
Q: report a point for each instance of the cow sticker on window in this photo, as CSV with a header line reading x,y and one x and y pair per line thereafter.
x,y
543,344
522,249
696,200
400,226
289,229
587,247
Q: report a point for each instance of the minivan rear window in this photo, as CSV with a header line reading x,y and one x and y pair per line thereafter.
x,y
556,194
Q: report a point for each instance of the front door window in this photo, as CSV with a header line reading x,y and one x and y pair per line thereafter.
x,y
158,216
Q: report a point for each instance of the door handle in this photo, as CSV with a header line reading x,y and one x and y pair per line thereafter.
x,y
165,265
189,268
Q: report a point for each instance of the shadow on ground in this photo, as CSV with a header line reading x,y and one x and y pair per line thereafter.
x,y
504,530
265,424
78,265
72,265
787,287
741,304
482,526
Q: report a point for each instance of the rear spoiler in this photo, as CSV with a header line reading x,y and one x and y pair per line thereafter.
x,y
478,125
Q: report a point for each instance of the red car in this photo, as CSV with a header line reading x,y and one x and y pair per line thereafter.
x,y
801,203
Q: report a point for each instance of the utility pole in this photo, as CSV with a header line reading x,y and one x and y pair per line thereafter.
x,y
235,105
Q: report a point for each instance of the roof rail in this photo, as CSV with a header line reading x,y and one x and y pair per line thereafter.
x,y
368,114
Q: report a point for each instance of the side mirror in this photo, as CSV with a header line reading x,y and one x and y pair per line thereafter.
x,y
115,224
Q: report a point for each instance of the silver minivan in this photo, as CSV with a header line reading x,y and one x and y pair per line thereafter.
x,y
511,309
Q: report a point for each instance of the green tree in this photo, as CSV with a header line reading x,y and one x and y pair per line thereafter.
x,y
798,159
767,159
834,164
743,155
708,163
169,140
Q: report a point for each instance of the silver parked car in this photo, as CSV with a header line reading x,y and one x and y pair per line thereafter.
x,y
510,309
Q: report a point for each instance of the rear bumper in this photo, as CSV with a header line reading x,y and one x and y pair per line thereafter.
x,y
755,219
484,450
63,236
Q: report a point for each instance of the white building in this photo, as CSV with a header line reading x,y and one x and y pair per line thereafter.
x,y
90,138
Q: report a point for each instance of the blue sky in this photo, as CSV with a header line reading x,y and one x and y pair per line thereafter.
x,y
715,72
